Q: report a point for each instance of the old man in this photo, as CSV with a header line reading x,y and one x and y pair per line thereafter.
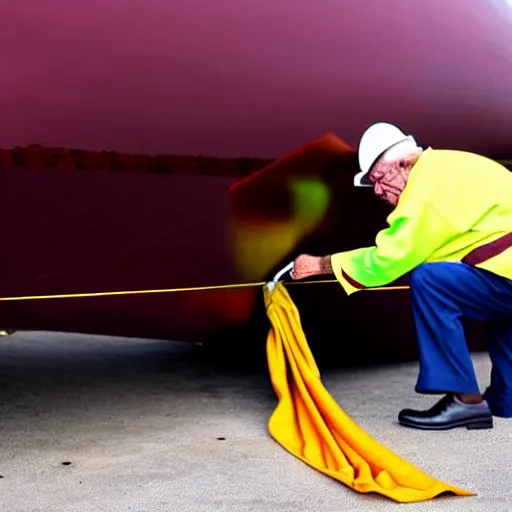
x,y
451,228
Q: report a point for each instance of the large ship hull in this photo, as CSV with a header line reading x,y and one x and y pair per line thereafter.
x,y
225,79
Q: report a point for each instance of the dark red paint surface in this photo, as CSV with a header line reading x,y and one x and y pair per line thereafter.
x,y
253,78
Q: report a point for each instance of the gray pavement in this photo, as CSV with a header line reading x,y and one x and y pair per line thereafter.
x,y
106,424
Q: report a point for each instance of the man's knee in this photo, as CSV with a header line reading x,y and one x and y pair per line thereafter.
x,y
435,276
423,275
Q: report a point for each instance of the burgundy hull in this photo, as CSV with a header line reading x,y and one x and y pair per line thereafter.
x,y
78,231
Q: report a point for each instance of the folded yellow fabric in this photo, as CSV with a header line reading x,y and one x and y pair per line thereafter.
x,y
309,424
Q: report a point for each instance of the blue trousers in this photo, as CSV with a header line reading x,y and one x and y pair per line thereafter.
x,y
444,293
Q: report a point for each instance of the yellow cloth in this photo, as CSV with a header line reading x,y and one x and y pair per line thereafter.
x,y
309,424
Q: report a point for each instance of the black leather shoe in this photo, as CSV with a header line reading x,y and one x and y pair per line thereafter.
x,y
447,414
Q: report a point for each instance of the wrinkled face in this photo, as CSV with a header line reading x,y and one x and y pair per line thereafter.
x,y
389,175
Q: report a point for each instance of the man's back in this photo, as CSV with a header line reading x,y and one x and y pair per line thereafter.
x,y
463,187
474,194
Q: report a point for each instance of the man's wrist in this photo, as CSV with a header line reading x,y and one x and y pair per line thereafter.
x,y
325,265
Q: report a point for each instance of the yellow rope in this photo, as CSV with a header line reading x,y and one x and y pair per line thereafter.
x,y
173,290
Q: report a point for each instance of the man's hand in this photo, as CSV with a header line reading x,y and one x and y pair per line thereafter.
x,y
306,266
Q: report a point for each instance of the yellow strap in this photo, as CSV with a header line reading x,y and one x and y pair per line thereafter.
x,y
173,290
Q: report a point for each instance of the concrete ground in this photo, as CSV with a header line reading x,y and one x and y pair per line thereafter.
x,y
103,424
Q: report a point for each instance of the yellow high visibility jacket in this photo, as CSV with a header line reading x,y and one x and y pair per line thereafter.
x,y
456,206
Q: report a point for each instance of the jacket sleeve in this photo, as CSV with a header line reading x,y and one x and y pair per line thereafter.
x,y
416,230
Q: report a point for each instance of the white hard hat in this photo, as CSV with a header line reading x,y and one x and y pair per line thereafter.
x,y
376,139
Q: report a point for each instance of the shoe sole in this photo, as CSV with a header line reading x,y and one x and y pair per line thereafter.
x,y
474,424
